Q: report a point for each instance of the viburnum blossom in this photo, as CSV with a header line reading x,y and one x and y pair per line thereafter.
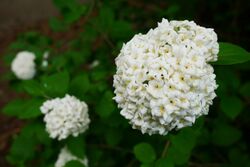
x,y
66,156
65,116
23,65
163,80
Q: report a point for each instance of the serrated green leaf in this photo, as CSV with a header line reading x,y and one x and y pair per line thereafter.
x,y
231,106
231,54
144,152
56,84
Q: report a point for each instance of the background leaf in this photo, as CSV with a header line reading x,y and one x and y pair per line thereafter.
x,y
56,84
231,106
231,54
144,152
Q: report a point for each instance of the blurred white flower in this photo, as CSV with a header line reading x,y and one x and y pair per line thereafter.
x,y
23,66
94,64
66,156
45,59
65,116
163,80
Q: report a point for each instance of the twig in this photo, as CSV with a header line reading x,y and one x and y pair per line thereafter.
x,y
164,152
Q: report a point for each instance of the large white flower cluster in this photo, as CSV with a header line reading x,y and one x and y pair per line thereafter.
x,y
66,116
163,79
23,66
66,156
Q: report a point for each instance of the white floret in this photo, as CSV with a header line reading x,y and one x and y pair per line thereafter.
x,y
163,80
66,156
23,66
65,116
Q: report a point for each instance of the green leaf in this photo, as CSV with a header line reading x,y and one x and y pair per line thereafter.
x,y
106,105
238,158
24,109
231,54
79,85
71,10
104,22
76,146
245,89
121,30
59,62
74,163
23,146
113,136
147,165
225,135
164,162
56,84
33,88
22,149
144,152
57,25
182,145
31,109
231,106
73,13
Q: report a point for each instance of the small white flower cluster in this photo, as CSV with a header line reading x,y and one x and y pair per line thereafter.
x,y
66,116
23,66
66,156
163,79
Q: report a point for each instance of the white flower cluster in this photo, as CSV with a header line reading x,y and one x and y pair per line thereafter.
x,y
66,156
163,79
65,116
23,66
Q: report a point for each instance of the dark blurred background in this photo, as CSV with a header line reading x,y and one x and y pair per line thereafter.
x,y
229,18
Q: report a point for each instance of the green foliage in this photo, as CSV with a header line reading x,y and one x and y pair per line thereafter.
x,y
231,54
25,145
79,85
24,109
33,88
225,135
106,105
56,84
245,89
164,162
74,163
145,153
76,146
96,31
231,106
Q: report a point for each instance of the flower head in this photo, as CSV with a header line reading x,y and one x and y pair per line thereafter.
x,y
66,156
23,66
163,80
65,116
